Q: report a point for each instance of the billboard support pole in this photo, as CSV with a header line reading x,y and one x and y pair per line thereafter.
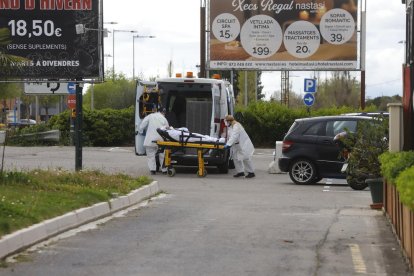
x,y
202,39
78,125
362,90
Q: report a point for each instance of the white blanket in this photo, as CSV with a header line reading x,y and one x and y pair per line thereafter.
x,y
182,134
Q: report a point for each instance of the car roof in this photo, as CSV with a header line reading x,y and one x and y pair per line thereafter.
x,y
370,114
333,117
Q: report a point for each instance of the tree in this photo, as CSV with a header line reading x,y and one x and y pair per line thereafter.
x,y
340,90
117,93
253,83
47,102
26,101
9,91
7,62
382,102
170,68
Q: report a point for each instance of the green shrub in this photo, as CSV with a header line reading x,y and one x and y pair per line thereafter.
x,y
265,122
268,122
405,187
105,127
370,143
393,163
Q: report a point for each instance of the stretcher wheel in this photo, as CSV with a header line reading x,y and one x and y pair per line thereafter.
x,y
171,172
204,173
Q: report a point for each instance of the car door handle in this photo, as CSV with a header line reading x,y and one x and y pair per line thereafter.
x,y
327,141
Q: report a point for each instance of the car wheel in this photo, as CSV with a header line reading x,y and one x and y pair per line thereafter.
x,y
302,171
356,183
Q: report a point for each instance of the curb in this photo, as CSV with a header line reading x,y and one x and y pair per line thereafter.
x,y
24,238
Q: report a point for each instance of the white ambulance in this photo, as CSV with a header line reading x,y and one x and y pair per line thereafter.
x,y
199,104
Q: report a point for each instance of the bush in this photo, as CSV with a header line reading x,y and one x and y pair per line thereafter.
x,y
268,122
398,169
393,163
370,143
265,122
106,127
405,187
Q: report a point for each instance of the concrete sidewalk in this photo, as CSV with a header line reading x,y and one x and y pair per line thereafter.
x,y
24,238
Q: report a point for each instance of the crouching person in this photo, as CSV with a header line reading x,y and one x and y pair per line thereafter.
x,y
242,148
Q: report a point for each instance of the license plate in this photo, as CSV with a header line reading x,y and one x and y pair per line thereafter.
x,y
344,167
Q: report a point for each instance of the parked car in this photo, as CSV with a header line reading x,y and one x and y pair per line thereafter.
x,y
22,123
309,152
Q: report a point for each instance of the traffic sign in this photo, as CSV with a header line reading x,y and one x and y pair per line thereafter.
x,y
308,99
310,86
71,88
71,102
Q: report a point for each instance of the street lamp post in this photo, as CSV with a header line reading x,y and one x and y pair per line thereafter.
x,y
113,48
106,58
133,50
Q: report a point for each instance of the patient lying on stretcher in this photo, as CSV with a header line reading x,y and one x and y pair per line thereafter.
x,y
182,134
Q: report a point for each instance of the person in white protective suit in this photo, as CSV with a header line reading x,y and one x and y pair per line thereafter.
x,y
150,124
242,148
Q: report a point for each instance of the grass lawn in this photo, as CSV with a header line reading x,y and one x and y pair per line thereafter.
x,y
27,198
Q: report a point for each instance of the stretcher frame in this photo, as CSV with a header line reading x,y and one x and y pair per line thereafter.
x,y
200,146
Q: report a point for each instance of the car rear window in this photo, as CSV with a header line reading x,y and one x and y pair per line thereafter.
x,y
314,129
292,127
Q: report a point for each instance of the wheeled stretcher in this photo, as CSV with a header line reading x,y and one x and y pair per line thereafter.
x,y
187,140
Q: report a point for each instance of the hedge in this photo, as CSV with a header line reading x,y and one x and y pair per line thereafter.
x,y
265,122
393,163
405,187
398,169
268,122
101,128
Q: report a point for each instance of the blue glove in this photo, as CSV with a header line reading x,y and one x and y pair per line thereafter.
x,y
227,146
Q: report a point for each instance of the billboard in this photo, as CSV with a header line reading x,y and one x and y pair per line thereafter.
x,y
38,39
283,34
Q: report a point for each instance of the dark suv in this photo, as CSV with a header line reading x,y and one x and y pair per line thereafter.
x,y
309,152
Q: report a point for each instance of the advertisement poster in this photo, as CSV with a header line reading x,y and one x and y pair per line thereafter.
x,y
38,39
283,34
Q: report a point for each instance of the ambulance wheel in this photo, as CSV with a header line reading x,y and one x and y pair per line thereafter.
x,y
203,175
171,172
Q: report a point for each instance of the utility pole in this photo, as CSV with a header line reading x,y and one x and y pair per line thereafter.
x,y
284,90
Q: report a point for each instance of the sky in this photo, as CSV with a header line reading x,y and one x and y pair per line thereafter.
x,y
175,25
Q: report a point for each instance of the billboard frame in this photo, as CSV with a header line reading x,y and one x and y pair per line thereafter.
x,y
356,64
70,57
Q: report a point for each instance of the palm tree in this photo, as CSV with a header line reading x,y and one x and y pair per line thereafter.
x,y
6,60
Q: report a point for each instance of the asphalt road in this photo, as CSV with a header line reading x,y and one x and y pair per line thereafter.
x,y
217,225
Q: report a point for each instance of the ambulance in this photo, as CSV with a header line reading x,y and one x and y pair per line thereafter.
x,y
199,104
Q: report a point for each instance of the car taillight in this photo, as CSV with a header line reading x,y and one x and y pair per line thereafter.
x,y
286,145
